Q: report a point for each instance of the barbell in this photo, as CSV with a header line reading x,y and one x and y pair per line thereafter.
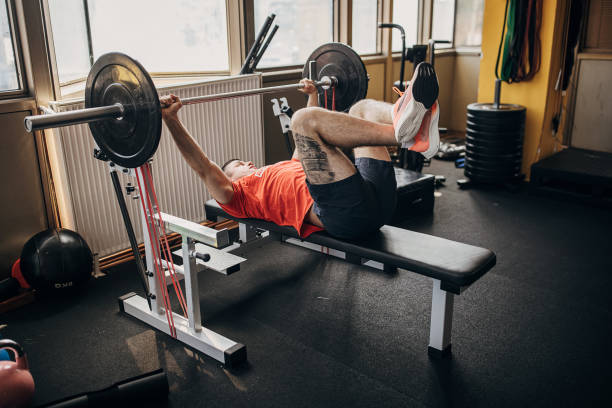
x,y
123,109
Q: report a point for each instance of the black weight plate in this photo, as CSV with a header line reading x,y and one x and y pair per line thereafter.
x,y
493,157
131,140
498,115
501,173
496,122
491,160
489,109
496,135
492,150
493,165
341,61
491,117
509,145
485,178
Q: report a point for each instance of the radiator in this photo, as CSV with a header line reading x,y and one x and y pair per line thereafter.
x,y
225,129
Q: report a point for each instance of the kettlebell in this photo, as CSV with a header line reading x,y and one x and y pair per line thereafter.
x,y
16,382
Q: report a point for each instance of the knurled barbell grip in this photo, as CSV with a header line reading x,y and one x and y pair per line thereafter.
x,y
74,117
325,82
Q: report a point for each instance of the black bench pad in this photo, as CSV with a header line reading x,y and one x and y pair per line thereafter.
x,y
457,265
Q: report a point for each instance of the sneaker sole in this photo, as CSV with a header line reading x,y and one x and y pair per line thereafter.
x,y
434,136
424,93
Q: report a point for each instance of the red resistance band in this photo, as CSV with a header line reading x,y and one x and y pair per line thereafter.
x,y
333,107
153,230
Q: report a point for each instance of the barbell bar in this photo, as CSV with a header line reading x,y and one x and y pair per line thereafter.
x,y
123,108
117,110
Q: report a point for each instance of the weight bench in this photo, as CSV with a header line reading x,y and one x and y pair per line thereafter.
x,y
453,266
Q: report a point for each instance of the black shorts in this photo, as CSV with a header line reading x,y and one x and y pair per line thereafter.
x,y
358,205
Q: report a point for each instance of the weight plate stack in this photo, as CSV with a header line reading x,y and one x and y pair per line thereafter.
x,y
494,142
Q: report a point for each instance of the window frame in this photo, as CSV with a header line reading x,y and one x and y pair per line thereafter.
x,y
250,33
241,32
22,89
233,35
379,18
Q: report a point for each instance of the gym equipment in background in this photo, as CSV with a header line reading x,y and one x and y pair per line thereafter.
x,y
494,142
56,259
521,45
259,46
336,60
124,114
407,159
52,261
143,390
16,382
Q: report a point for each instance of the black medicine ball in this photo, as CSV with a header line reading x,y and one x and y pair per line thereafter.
x,y
56,259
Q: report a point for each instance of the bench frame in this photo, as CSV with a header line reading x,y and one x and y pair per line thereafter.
x,y
197,240
442,301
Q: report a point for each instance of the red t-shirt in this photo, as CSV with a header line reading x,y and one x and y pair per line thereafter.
x,y
275,193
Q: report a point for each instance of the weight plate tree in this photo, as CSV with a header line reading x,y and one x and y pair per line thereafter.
x,y
494,142
342,62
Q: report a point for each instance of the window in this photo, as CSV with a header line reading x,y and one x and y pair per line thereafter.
x,y
365,26
303,26
70,39
468,30
165,37
443,22
9,76
406,14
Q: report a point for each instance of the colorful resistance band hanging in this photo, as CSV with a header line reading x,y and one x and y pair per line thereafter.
x,y
333,105
157,232
521,43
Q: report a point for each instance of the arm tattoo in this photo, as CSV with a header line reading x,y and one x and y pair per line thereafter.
x,y
314,160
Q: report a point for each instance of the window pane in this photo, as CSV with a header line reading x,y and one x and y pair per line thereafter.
x,y
443,21
406,14
8,70
469,23
365,26
164,36
69,39
303,26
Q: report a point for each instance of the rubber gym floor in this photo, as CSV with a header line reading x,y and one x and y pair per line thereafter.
x,y
534,331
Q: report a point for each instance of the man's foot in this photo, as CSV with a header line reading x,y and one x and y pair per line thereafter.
x,y
427,139
410,108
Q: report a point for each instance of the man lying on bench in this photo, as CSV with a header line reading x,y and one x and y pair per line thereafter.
x,y
320,188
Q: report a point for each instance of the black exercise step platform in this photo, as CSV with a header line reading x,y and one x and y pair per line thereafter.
x,y
454,264
415,193
575,174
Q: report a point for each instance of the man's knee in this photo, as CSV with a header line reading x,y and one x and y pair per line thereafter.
x,y
372,110
359,109
305,120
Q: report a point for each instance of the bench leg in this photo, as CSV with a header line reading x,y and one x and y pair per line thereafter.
x,y
441,321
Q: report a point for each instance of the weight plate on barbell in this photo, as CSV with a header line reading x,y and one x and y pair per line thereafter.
x,y
340,61
132,139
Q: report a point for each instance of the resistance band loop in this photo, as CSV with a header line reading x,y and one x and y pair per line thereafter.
x,y
161,285
166,246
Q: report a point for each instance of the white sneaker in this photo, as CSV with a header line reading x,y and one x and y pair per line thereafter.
x,y
410,109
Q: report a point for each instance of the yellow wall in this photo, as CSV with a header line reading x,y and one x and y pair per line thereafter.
x,y
533,94
464,89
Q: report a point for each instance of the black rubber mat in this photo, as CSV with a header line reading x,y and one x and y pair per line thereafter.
x,y
321,332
